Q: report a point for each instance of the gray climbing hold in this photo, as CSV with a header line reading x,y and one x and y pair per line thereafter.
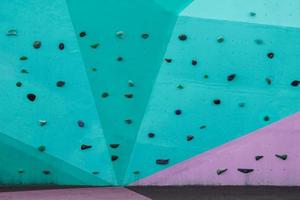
x,y
130,83
245,171
221,171
220,39
282,157
162,161
11,32
120,34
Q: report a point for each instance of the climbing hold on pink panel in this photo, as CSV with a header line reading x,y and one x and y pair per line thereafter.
x,y
221,171
245,171
282,157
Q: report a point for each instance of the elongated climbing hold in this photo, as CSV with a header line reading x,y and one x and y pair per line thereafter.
x,y
82,34
189,138
162,161
221,171
85,146
217,101
245,171
282,157
151,135
42,122
11,32
23,58
258,157
60,83
114,146
231,77
168,60
295,83
95,46
128,95
182,37
114,157
46,172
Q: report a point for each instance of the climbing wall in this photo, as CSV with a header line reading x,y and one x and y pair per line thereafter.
x,y
122,51
50,132
149,92
231,67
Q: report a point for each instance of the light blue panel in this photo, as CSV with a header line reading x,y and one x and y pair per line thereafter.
x,y
270,12
118,27
48,21
173,5
260,93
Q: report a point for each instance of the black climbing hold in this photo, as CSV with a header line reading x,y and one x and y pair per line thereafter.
x,y
94,69
21,171
252,14
23,58
282,157
162,161
295,83
203,127
60,83
258,157
241,105
18,84
145,35
271,55
128,121
221,171
31,97
95,46
46,172
231,77
266,118
189,138
95,173
136,172
42,148
180,86
80,123
178,112
120,59
128,95
37,44
105,94
82,34
168,60
182,37
245,171
84,147
269,80
194,62
151,135
259,41
24,71
114,146
61,46
217,101
114,158
205,76
220,39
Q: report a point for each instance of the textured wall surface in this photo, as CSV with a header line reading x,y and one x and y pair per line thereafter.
x,y
155,92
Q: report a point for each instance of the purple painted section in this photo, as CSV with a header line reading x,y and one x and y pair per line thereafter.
x,y
282,137
75,194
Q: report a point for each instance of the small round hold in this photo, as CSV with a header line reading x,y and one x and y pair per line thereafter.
x,y
120,59
268,80
130,83
23,58
21,171
42,148
180,87
61,46
80,123
252,14
46,172
189,138
182,37
205,76
151,135
271,55
145,35
31,97
178,112
19,84
120,34
220,39
168,60
217,101
128,121
114,158
295,83
37,44
94,69
60,83
241,105
266,118
105,94
194,62
231,77
82,34
259,41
